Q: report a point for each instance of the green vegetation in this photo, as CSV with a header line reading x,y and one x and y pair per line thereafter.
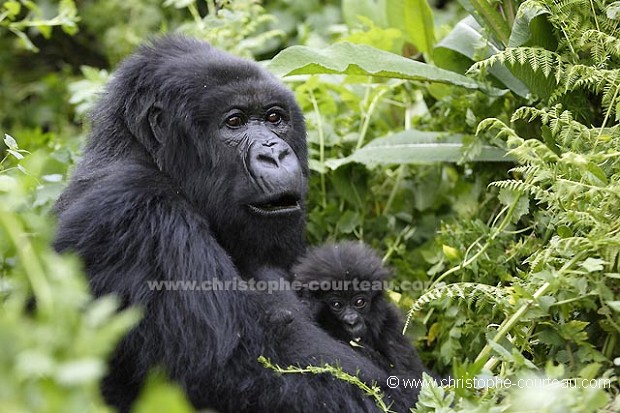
x,y
477,146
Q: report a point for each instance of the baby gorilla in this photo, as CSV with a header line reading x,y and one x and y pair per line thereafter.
x,y
343,286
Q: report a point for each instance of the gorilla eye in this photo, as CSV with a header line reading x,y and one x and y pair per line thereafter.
x,y
336,305
360,302
234,121
274,117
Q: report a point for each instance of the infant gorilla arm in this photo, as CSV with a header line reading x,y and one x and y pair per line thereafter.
x,y
195,171
343,286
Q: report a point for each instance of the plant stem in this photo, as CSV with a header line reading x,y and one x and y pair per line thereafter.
x,y
367,116
319,127
29,261
486,245
509,323
399,179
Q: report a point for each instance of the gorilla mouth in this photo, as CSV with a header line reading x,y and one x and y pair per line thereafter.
x,y
356,332
279,205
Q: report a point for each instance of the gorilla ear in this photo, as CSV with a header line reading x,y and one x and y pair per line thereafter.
x,y
155,120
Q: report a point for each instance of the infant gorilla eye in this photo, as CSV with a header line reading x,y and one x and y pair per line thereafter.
x,y
360,302
336,305
274,117
234,121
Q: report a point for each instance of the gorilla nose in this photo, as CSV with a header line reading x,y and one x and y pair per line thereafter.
x,y
275,166
350,319
276,170
272,154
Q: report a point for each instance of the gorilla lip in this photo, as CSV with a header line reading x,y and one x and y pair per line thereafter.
x,y
278,205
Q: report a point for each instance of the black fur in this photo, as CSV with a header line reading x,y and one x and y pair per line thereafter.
x,y
375,330
173,187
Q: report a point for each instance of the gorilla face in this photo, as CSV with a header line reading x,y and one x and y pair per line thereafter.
x,y
271,169
347,314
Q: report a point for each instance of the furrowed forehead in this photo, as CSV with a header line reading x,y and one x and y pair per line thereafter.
x,y
246,94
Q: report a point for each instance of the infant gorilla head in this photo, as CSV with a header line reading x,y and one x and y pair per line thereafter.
x,y
343,286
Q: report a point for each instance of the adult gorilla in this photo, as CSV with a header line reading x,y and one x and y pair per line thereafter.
x,y
195,170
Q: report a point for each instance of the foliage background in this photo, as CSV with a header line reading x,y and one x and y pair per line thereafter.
x,y
516,256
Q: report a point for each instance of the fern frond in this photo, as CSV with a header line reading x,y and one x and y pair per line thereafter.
x,y
610,95
571,244
501,130
470,291
563,126
610,44
533,151
521,187
538,59
525,170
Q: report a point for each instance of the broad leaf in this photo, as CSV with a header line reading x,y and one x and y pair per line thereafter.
x,y
417,147
357,59
487,15
460,48
531,27
373,10
415,19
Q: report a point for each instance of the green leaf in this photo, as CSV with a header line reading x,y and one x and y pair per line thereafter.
x,y
596,175
357,59
178,4
373,10
80,371
451,253
15,154
10,142
415,19
460,49
613,10
487,16
589,372
160,396
45,30
564,231
416,147
593,264
348,222
25,40
509,197
521,28
12,7
499,349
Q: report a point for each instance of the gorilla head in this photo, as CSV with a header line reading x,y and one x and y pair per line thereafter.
x,y
227,133
342,286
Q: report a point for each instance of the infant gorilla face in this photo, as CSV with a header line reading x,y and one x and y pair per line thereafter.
x,y
350,311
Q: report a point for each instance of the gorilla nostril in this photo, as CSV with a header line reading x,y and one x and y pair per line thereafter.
x,y
268,159
283,154
351,321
